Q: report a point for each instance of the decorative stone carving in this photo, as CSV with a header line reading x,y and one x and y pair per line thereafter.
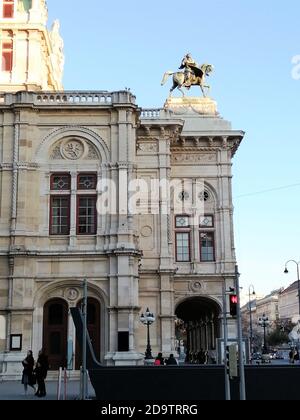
x,y
195,286
92,153
147,147
71,294
205,196
187,158
72,149
146,231
56,153
192,105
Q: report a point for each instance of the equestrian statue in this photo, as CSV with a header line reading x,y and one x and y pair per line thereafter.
x,y
193,75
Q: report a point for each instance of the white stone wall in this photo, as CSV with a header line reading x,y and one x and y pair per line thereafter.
x,y
37,53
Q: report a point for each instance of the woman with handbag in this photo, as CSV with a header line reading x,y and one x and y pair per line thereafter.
x,y
28,377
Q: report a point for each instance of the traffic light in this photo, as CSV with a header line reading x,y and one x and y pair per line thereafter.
x,y
233,301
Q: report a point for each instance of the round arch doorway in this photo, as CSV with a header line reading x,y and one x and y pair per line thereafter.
x,y
198,327
55,332
93,326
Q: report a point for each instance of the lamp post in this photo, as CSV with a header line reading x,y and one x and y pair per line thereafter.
x,y
298,279
264,322
147,320
250,316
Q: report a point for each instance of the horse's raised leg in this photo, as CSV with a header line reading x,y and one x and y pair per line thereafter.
x,y
203,92
208,89
182,91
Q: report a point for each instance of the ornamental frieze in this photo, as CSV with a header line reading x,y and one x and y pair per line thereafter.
x,y
193,158
147,147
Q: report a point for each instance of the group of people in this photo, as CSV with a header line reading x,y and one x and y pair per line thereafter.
x,y
201,357
160,361
35,373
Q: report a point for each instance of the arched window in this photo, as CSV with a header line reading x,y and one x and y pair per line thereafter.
x,y
7,51
8,8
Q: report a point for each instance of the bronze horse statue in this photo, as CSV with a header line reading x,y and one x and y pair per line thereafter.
x,y
196,79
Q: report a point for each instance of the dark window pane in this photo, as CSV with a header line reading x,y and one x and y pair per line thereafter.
x,y
183,247
207,247
86,216
60,216
56,314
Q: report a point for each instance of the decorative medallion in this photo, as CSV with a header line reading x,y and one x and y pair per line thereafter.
x,y
195,286
72,294
146,231
72,149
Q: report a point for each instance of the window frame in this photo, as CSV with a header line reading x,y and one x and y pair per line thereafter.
x,y
212,233
207,227
182,227
54,174
9,5
55,196
188,232
94,174
78,198
7,54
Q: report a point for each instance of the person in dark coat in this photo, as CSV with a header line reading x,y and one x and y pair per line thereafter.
x,y
27,376
171,360
41,369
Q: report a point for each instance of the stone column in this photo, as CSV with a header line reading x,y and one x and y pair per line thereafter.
x,y
73,210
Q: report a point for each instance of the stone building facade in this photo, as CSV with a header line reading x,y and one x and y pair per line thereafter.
x,y
288,303
71,166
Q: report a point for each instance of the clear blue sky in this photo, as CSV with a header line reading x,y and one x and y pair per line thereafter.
x,y
117,44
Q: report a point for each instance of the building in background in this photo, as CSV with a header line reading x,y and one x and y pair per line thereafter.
x,y
171,255
288,304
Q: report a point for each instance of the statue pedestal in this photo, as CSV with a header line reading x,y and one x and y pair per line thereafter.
x,y
192,105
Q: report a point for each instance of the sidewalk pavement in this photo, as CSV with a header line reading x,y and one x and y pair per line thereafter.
x,y
14,390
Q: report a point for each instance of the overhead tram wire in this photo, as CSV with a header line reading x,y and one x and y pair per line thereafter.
x,y
268,190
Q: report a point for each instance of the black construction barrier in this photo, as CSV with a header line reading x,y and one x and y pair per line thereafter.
x,y
186,383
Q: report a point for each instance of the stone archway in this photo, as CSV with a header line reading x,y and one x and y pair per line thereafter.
x,y
94,329
198,327
55,332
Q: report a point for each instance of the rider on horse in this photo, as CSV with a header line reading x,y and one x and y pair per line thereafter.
x,y
191,69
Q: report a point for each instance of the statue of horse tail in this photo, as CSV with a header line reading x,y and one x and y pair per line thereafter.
x,y
166,76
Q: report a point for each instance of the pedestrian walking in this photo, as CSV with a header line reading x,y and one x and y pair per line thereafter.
x,y
28,377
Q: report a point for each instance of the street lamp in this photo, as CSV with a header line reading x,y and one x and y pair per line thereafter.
x,y
250,315
264,322
147,320
298,279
